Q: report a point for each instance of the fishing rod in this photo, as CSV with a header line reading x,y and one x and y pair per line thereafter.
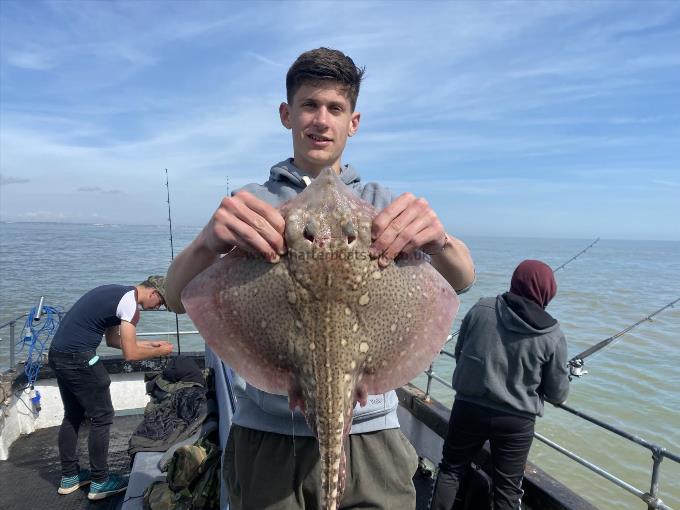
x,y
172,256
455,334
576,363
577,255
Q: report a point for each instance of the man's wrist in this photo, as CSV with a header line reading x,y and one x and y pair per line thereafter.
x,y
437,251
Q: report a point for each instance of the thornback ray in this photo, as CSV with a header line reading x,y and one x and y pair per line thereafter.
x,y
325,325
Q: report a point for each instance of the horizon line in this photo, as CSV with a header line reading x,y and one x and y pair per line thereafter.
x,y
584,238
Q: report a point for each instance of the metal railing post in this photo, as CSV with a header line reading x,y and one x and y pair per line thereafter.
x,y
429,382
12,362
657,457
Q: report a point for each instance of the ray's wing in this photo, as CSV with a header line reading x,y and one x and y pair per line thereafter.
x,y
239,305
410,314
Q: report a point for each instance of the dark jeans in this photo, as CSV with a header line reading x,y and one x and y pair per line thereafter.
x,y
84,389
470,426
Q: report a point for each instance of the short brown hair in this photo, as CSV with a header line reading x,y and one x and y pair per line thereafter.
x,y
321,65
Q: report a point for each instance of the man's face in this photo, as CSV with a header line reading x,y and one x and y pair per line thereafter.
x,y
321,119
152,301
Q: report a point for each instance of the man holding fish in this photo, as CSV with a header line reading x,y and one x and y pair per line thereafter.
x,y
269,445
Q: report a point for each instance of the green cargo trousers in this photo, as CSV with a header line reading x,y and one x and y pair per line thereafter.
x,y
267,471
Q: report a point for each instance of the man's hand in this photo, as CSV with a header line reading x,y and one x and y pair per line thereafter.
x,y
242,221
134,349
164,349
154,343
248,223
407,224
161,347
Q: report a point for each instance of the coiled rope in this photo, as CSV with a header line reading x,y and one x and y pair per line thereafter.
x,y
36,335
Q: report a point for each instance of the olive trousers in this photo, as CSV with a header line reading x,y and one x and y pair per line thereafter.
x,y
267,471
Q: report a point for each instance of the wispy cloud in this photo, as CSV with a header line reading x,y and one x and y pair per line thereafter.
x,y
27,59
43,215
673,184
97,189
5,180
265,60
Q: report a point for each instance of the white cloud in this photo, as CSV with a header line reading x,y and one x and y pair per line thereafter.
x,y
265,60
43,215
5,180
33,60
97,189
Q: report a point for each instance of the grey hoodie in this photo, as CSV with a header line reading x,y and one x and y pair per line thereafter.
x,y
263,411
504,363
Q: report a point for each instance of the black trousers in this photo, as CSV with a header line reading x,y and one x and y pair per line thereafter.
x,y
84,388
470,427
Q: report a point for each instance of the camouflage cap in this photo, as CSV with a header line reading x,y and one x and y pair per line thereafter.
x,y
157,282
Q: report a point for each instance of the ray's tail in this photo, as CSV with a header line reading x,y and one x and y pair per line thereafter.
x,y
332,422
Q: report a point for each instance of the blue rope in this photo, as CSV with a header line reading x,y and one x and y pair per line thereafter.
x,y
36,336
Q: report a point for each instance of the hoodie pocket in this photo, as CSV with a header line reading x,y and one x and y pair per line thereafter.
x,y
468,378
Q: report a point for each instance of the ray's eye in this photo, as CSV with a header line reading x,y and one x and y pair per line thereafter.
x,y
310,231
351,232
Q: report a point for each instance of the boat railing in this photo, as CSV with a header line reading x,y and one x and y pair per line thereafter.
x,y
19,320
659,453
12,343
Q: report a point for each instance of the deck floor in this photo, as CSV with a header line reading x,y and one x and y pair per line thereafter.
x,y
31,475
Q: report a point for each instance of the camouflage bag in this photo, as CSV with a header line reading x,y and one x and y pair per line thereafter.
x,y
205,493
193,480
159,496
185,466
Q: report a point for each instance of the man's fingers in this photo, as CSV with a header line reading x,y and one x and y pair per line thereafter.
x,y
263,219
250,241
249,223
427,235
413,216
389,213
266,211
403,239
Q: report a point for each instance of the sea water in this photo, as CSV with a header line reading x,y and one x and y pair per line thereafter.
x,y
633,384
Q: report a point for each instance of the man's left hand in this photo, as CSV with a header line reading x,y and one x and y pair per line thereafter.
x,y
155,343
407,224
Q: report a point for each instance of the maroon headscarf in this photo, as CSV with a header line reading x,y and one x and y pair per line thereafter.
x,y
534,280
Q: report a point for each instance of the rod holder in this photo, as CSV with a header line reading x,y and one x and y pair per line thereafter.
x,y
40,309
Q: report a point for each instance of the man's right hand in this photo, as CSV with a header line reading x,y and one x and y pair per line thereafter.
x,y
242,221
248,223
165,349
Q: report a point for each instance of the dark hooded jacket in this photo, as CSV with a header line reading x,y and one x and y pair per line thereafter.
x,y
510,358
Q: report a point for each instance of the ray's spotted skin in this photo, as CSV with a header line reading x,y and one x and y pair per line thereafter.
x,y
326,325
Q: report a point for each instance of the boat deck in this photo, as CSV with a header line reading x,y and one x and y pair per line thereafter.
x,y
31,474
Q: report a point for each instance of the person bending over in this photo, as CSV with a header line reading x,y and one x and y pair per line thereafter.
x,y
111,311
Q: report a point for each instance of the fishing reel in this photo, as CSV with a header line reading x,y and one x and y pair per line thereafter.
x,y
576,368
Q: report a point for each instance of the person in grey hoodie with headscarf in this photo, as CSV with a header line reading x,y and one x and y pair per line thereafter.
x,y
511,356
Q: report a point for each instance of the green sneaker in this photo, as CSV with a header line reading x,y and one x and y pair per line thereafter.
x,y
112,485
71,484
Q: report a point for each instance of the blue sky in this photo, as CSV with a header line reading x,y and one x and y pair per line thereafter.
x,y
542,119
